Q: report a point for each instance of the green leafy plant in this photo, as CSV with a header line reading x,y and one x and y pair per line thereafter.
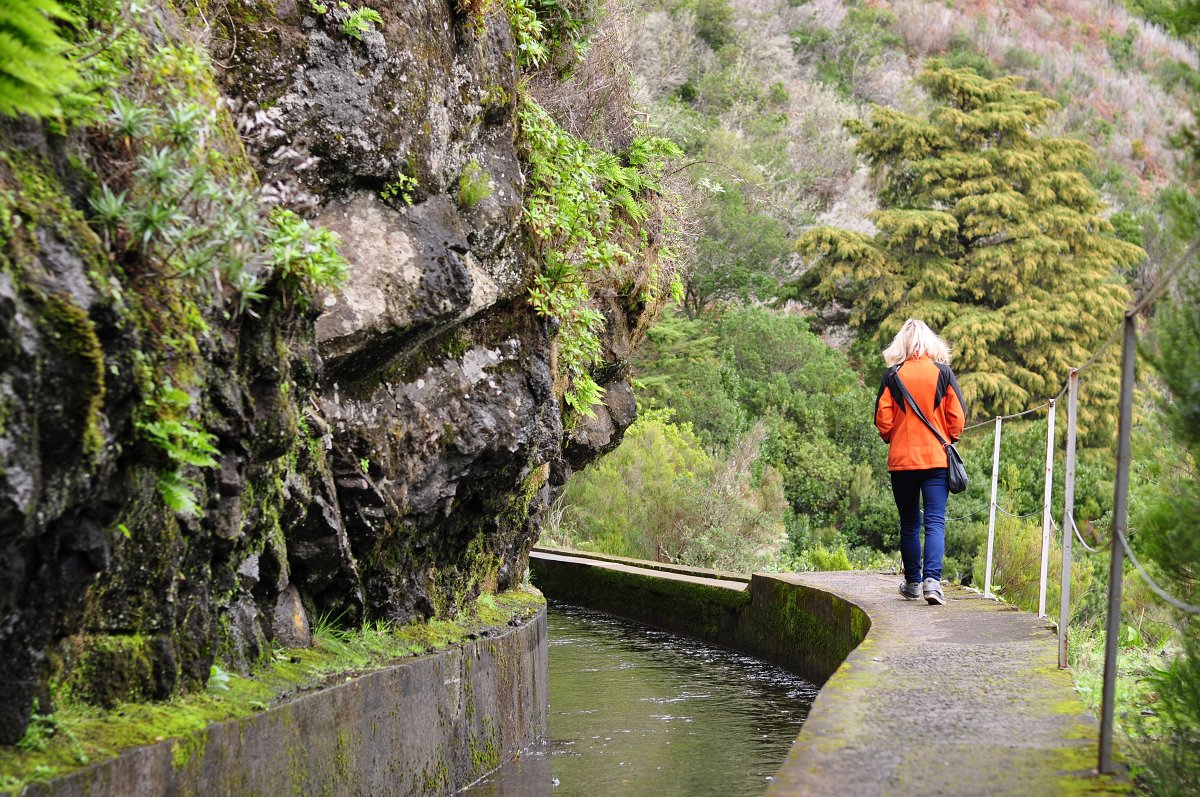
x,y
35,66
129,120
44,727
473,186
304,257
403,188
553,33
184,442
360,21
585,214
529,32
218,679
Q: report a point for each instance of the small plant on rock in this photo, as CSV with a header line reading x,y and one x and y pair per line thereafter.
x,y
305,258
473,186
184,442
402,188
359,21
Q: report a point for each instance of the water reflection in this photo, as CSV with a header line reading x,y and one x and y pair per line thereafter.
x,y
634,710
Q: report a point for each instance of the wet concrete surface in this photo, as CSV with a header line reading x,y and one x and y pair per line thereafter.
x,y
962,699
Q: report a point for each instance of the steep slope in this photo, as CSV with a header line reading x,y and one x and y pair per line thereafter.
x,y
204,447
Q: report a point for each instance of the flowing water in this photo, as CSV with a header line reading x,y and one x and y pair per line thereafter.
x,y
635,710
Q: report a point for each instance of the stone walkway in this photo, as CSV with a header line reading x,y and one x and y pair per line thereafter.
x,y
962,699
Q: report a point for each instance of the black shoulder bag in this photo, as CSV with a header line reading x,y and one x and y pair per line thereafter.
x,y
956,472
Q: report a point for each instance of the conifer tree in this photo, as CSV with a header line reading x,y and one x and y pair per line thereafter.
x,y
987,231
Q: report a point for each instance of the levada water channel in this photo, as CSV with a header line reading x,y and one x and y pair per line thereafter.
x,y
635,710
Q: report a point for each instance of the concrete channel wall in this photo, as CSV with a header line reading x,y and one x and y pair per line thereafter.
x,y
774,617
428,726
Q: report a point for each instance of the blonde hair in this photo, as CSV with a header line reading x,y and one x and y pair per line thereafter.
x,y
914,339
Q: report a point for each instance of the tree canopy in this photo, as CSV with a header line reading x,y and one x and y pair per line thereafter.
x,y
987,231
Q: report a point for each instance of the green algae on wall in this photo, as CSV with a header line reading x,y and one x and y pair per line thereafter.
x,y
804,629
72,335
82,734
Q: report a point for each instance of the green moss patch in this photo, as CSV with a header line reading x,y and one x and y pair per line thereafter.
x,y
77,734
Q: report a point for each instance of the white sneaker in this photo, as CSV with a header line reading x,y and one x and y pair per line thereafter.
x,y
932,589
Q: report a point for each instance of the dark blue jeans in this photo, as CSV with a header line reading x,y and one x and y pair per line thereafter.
x,y
910,487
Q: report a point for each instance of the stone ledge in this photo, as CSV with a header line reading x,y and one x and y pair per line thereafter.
x,y
427,726
647,564
965,698
805,629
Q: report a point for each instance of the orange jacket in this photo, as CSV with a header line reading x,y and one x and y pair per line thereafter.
x,y
911,446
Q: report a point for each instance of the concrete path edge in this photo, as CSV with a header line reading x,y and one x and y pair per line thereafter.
x,y
961,699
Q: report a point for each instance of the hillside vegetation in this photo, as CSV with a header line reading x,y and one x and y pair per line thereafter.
x,y
1014,173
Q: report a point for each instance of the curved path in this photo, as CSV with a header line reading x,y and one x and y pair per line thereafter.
x,y
961,699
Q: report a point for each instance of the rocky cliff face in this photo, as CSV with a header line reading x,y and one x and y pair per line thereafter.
x,y
380,452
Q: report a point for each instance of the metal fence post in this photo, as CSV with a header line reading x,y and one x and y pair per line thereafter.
x,y
1064,604
1117,561
987,574
1049,482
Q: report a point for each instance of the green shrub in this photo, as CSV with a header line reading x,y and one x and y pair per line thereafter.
x,y
753,366
820,558
843,57
660,495
714,22
1016,564
739,256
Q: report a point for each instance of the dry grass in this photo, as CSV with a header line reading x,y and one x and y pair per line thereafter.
x,y
595,100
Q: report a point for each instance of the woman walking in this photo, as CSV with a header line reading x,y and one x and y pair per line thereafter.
x,y
919,360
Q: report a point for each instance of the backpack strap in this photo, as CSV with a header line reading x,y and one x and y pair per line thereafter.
x,y
917,410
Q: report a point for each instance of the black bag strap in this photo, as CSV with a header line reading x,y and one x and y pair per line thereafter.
x,y
916,409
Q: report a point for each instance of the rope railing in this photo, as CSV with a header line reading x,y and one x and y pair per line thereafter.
x,y
1127,331
988,506
1155,587
1021,414
1014,515
970,515
1150,582
1079,537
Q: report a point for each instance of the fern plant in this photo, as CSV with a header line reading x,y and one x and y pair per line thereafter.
x,y
586,215
305,257
34,68
184,442
359,21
